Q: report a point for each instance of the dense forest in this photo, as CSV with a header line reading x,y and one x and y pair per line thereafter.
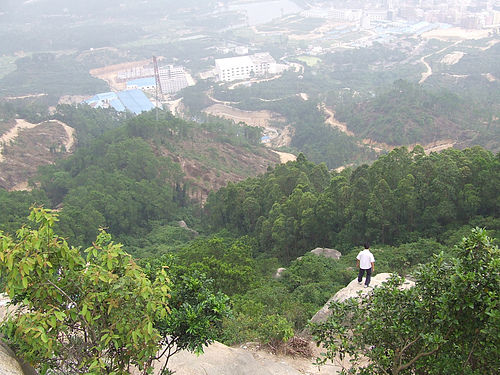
x,y
401,197
409,205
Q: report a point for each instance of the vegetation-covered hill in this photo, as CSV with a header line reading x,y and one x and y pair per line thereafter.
x,y
409,205
407,115
147,171
140,160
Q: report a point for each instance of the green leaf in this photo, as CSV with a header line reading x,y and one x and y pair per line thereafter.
x,y
60,315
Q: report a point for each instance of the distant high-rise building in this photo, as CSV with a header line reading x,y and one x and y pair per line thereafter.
x,y
364,22
470,22
496,18
392,15
172,79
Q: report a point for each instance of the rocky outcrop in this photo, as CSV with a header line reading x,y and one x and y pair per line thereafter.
x,y
220,359
183,225
329,253
350,291
223,360
11,365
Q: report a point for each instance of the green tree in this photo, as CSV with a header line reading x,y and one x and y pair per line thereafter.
x,y
381,208
448,323
195,318
77,315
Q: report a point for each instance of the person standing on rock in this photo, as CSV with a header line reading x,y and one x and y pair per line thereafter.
x,y
365,263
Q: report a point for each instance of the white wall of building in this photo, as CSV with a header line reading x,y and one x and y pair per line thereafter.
x,y
244,67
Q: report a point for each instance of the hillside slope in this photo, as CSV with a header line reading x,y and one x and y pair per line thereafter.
x,y
206,162
408,115
25,146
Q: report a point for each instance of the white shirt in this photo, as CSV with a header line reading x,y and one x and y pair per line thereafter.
x,y
366,259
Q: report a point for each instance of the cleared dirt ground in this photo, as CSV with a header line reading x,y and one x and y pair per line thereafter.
x,y
277,137
252,118
25,146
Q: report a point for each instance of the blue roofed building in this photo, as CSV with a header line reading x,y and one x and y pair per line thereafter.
x,y
145,84
118,105
101,100
134,101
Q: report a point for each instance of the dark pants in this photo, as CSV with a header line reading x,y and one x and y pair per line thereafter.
x,y
368,275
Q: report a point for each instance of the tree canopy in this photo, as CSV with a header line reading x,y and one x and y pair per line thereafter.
x,y
401,197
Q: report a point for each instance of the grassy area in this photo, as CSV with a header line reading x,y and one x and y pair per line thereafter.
x,y
309,60
352,36
145,42
7,65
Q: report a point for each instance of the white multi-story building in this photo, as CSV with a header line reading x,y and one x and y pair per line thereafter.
x,y
172,78
244,67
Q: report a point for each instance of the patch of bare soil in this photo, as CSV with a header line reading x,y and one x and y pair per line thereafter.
x,y
27,146
490,77
212,165
285,157
109,73
252,118
455,33
72,99
452,58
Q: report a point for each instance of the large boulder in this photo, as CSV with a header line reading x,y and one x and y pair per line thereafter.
x,y
326,252
11,365
223,360
350,291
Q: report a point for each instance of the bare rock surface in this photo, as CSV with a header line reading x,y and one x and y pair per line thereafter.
x,y
353,290
329,253
220,359
8,363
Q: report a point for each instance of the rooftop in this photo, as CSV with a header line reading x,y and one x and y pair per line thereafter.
x,y
133,100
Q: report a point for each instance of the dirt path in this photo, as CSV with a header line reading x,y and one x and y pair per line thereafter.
x,y
23,124
70,133
428,73
253,80
285,156
331,120
173,106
